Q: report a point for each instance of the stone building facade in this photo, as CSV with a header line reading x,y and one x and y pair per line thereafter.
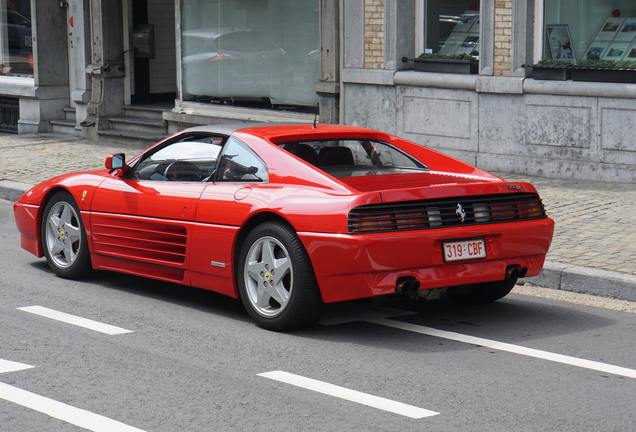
x,y
350,61
501,118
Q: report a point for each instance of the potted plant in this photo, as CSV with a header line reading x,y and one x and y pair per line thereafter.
x,y
592,68
551,70
605,71
447,63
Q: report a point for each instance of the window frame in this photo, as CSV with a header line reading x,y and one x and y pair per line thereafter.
x,y
185,137
486,33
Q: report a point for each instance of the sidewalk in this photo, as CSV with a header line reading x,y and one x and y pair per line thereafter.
x,y
594,248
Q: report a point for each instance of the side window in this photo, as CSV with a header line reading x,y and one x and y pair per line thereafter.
x,y
238,163
190,158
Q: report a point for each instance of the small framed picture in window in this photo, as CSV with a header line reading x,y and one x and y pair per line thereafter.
x,y
560,42
631,53
616,51
628,30
610,27
596,50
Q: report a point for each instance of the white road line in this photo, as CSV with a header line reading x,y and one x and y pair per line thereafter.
x,y
530,352
350,395
75,320
11,366
78,417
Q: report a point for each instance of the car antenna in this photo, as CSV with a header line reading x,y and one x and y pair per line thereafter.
x,y
315,120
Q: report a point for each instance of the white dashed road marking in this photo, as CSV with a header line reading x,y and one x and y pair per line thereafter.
x,y
350,395
380,316
502,346
75,320
11,366
78,417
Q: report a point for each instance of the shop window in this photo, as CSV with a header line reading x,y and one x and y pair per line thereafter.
x,y
448,27
588,32
251,52
16,40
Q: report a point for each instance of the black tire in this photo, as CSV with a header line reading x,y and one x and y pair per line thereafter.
x,y
276,279
481,293
64,237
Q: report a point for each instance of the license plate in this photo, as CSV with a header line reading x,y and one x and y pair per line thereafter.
x,y
464,250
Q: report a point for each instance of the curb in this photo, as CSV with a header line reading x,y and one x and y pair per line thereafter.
x,y
585,280
11,191
555,275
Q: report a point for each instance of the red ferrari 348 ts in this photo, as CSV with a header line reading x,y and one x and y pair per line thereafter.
x,y
290,217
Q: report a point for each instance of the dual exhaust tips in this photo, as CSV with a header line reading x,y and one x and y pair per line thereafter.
x,y
406,285
410,285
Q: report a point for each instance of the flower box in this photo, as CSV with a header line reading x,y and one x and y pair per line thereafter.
x,y
551,72
447,65
603,74
592,73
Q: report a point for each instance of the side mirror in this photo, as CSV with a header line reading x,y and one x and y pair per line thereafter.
x,y
116,162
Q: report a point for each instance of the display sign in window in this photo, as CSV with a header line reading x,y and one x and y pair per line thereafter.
x,y
255,53
590,32
16,38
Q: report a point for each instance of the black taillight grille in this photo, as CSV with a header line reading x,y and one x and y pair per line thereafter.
x,y
440,213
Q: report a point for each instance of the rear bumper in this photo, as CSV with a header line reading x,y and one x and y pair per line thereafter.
x,y
356,266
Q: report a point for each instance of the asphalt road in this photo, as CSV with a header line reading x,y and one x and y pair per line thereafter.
x,y
182,359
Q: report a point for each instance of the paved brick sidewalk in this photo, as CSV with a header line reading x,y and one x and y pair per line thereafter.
x,y
595,221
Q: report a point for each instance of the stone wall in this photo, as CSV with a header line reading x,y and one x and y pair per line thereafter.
x,y
536,128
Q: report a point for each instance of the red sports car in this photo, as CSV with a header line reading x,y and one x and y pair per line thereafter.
x,y
290,217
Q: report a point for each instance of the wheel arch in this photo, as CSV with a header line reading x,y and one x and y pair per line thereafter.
x,y
244,231
80,265
40,214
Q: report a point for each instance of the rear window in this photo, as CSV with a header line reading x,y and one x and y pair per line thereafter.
x,y
354,157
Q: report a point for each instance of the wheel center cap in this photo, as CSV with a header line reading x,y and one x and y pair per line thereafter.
x,y
267,276
62,235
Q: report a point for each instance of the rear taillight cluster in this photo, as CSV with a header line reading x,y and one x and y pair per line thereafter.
x,y
460,211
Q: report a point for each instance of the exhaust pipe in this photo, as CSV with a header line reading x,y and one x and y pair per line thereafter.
x,y
406,285
514,272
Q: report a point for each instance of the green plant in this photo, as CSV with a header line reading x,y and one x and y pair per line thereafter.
x,y
593,56
448,56
609,63
595,61
550,62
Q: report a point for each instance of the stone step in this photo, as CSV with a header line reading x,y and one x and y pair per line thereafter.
x,y
142,140
140,124
145,111
65,126
69,114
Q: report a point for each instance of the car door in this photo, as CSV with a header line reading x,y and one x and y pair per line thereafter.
x,y
225,205
142,223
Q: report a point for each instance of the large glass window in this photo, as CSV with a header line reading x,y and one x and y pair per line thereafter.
x,y
583,31
250,51
449,27
16,41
